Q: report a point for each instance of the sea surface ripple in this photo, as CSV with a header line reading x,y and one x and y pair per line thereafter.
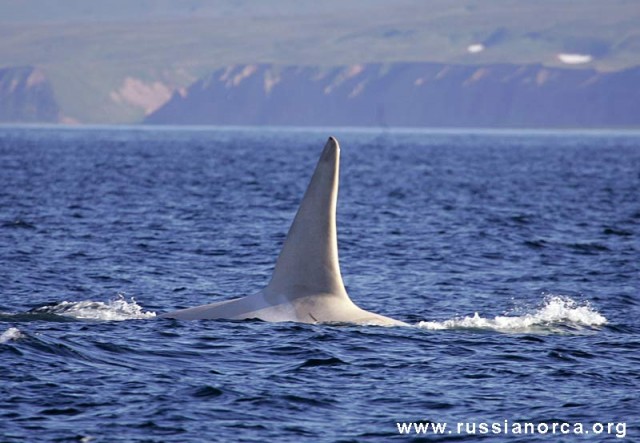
x,y
513,255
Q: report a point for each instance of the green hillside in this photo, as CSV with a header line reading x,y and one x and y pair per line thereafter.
x,y
111,62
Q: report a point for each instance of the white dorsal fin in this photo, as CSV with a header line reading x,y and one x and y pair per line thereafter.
x,y
308,263
306,285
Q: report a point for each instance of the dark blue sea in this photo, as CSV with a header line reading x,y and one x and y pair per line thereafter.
x,y
514,256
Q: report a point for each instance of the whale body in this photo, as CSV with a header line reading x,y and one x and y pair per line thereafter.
x,y
306,285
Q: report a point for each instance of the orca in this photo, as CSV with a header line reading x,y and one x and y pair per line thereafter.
x,y
306,285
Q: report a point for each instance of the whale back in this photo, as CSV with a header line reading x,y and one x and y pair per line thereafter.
x,y
308,263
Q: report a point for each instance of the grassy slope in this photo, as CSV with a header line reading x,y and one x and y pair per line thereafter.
x,y
89,52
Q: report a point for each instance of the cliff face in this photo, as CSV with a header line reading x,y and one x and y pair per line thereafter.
x,y
408,94
27,96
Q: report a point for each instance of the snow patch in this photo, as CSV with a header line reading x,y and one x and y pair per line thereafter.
x,y
574,59
475,48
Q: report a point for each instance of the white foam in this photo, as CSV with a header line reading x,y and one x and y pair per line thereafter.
x,y
555,311
114,310
10,334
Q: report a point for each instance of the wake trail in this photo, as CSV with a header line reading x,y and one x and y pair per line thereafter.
x,y
117,309
555,313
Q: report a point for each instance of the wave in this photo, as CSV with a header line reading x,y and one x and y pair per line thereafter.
x,y
10,334
556,313
117,309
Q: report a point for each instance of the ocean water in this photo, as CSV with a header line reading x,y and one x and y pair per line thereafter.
x,y
514,256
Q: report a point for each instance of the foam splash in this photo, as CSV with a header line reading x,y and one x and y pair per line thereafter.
x,y
556,311
10,334
117,309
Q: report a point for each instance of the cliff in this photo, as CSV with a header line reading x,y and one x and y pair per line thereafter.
x,y
408,94
26,96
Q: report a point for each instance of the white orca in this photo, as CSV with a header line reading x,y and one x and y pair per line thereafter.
x,y
306,285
